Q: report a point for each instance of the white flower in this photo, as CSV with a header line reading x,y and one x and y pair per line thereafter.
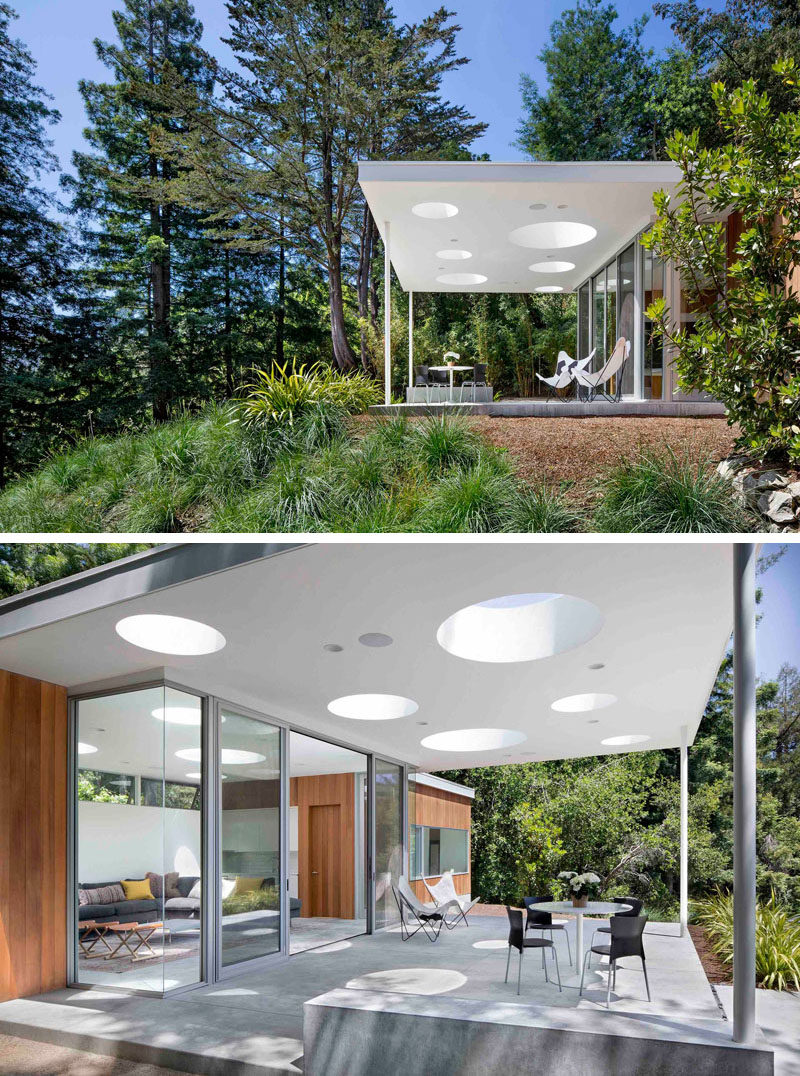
x,y
567,874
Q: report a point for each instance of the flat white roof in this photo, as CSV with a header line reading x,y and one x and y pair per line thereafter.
x,y
433,781
494,200
665,608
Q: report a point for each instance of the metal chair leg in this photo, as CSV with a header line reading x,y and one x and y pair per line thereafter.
x,y
611,967
519,975
646,983
544,965
569,950
508,962
558,970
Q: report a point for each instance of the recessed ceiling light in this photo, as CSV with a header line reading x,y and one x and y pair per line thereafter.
x,y
594,721
551,267
373,707
562,205
453,240
453,255
473,740
86,749
538,205
434,210
549,288
462,278
624,741
178,715
170,634
375,638
553,234
230,756
333,648
422,722
579,704
519,627
597,665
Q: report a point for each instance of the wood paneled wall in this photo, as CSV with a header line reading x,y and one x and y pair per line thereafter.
x,y
437,807
33,836
326,788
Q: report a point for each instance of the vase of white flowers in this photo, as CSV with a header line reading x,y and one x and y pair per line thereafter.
x,y
581,886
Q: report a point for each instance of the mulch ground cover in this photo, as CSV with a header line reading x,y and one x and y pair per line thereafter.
x,y
716,971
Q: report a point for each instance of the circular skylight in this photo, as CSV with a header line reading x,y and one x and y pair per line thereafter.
x,y
473,740
170,634
178,715
549,288
579,704
553,234
462,278
434,210
624,741
86,749
519,627
551,267
230,756
373,707
453,255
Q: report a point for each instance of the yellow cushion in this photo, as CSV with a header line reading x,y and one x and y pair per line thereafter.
x,y
246,885
137,889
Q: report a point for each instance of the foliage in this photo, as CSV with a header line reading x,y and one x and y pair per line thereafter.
x,y
744,343
256,900
27,565
89,790
540,848
580,885
777,937
278,396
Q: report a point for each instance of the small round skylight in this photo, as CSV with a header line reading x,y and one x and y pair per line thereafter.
x,y
461,278
473,740
551,267
375,639
549,289
170,634
579,704
434,210
624,741
230,756
86,749
553,234
178,715
538,205
373,707
453,255
520,627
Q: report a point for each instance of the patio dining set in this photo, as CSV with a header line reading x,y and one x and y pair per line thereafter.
x,y
625,928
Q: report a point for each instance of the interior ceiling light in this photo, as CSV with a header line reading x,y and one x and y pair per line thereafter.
x,y
462,740
551,267
462,278
333,648
549,288
562,205
373,707
597,665
624,741
86,749
453,255
538,205
434,210
579,704
519,627
375,638
230,756
178,715
553,234
170,634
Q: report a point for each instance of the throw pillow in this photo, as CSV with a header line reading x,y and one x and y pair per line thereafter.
x,y
104,894
156,884
247,885
137,889
228,885
196,892
171,885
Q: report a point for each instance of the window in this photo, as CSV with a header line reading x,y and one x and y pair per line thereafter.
x,y
626,262
653,344
176,794
584,310
95,786
434,849
598,319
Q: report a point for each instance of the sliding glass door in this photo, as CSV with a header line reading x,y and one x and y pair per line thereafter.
x,y
389,794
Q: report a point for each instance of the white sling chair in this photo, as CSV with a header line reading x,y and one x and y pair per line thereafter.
x,y
594,383
429,917
566,368
444,892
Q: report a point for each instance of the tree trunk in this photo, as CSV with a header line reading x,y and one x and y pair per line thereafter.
x,y
228,345
280,318
364,268
343,354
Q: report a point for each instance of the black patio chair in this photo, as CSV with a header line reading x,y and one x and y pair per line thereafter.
x,y
477,381
626,940
544,921
517,940
635,909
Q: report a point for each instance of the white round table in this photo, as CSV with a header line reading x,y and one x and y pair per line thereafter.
x,y
592,907
452,370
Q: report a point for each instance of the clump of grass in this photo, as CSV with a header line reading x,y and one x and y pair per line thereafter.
x,y
282,394
443,441
469,498
666,493
540,510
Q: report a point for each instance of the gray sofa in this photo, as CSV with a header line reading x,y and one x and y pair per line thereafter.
x,y
141,911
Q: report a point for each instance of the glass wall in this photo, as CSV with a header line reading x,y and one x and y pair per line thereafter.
x,y
599,319
250,838
139,840
435,849
626,264
653,287
389,794
584,319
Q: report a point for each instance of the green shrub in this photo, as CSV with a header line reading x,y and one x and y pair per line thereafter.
x,y
257,900
470,498
280,395
540,511
442,442
777,938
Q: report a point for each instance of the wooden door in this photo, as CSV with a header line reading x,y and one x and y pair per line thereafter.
x,y
325,860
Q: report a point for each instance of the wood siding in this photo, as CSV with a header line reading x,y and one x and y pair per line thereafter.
x,y
33,836
437,807
323,790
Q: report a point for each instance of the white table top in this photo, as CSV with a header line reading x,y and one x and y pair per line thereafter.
x,y
593,907
451,367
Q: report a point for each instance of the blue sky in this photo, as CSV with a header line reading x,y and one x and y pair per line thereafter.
x,y
778,635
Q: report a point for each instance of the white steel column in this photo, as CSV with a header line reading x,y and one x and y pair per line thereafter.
x,y
387,316
411,345
684,854
744,792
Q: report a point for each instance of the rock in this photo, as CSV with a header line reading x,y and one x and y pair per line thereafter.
x,y
777,506
793,489
763,481
732,466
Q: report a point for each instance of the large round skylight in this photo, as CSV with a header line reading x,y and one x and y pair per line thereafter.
x,y
462,278
580,704
434,210
624,741
553,234
551,267
453,255
473,740
520,627
230,756
178,715
86,749
170,634
549,288
373,707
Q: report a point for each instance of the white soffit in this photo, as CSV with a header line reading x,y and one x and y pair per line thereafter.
x,y
667,617
493,200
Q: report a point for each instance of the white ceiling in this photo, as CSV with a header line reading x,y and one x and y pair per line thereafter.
x,y
667,620
493,200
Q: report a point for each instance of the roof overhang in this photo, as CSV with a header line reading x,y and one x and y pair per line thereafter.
x,y
666,619
495,199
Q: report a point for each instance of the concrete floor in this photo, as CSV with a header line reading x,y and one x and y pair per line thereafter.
x,y
253,1024
778,1016
23,1057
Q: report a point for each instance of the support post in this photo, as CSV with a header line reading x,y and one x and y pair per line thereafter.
x,y
744,792
387,316
411,346
684,852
